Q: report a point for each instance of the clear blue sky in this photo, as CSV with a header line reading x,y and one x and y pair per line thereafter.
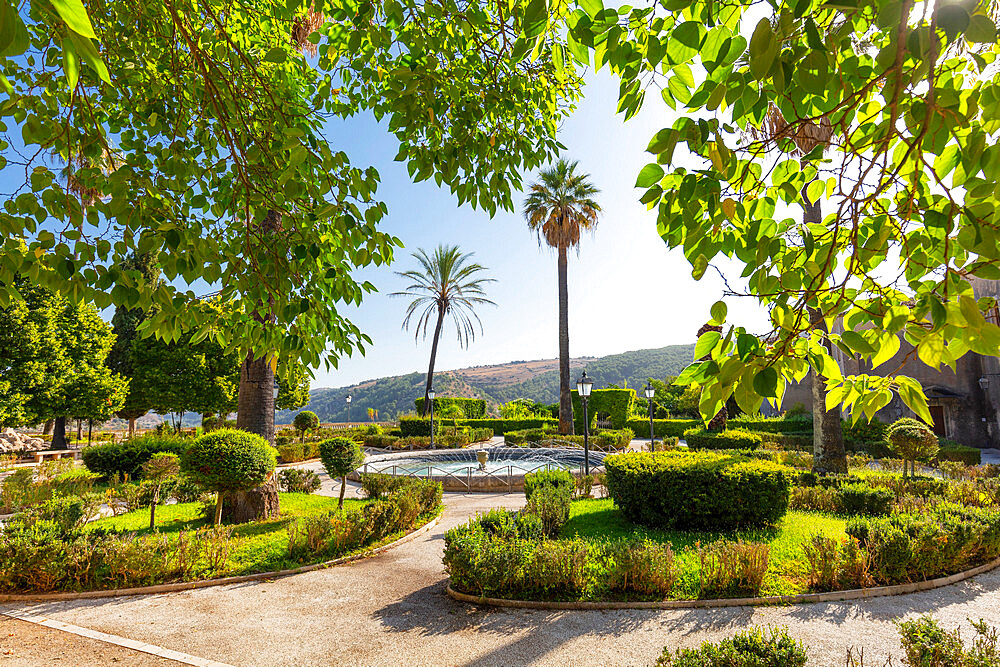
x,y
626,290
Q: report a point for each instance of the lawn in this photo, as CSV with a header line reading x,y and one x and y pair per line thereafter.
x,y
256,547
787,570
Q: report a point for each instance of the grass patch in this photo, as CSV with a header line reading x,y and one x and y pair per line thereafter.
x,y
598,519
256,547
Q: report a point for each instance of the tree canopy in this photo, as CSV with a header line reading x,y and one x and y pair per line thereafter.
x,y
909,98
178,128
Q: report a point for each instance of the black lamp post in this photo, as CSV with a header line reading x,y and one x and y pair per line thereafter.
x,y
583,386
650,393
430,397
348,399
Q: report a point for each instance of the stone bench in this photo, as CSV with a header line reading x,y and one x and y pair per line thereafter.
x,y
54,454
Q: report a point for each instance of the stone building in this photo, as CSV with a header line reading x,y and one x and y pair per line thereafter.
x,y
964,403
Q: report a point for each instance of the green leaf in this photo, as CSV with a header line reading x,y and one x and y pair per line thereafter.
x,y
719,312
763,49
981,29
276,55
85,48
75,15
650,174
857,343
706,343
699,266
931,350
765,383
13,34
592,7
536,18
812,36
888,349
953,19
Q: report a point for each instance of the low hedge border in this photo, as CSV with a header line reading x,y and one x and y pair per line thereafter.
x,y
802,598
243,578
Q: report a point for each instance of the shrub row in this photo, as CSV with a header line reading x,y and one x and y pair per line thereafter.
x,y
700,438
502,426
442,441
697,489
952,451
126,458
662,428
541,437
856,499
472,408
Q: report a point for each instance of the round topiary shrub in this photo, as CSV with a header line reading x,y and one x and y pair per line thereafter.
x,y
305,421
734,438
228,460
340,457
697,490
912,441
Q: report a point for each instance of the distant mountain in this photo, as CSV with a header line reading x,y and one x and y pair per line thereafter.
x,y
535,380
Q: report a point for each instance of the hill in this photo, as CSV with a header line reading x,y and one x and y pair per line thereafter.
x,y
536,380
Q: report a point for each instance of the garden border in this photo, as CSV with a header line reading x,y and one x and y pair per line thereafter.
x,y
206,583
832,596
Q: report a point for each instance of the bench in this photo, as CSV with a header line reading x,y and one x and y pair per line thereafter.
x,y
54,454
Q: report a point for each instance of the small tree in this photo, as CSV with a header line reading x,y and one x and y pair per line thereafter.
x,y
340,457
227,461
305,421
158,469
912,440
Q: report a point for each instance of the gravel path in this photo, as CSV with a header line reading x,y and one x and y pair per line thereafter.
x,y
392,610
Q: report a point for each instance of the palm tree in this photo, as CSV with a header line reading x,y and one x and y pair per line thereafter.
x,y
558,209
446,283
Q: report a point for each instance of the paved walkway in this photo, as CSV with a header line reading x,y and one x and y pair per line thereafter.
x,y
392,610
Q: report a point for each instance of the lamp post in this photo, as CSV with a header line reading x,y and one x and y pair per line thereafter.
x,y
348,399
583,387
650,392
274,392
430,397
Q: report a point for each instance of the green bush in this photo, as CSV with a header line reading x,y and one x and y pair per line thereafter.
x,y
862,499
663,428
298,480
926,643
501,426
228,460
791,441
340,457
305,421
760,423
126,458
949,450
616,403
697,489
912,440
550,503
540,437
416,426
700,438
553,478
472,408
747,648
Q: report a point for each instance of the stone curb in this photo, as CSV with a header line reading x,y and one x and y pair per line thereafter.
x,y
833,596
206,583
123,642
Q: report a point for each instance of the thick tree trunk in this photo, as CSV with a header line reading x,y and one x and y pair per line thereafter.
x,y
829,455
79,431
47,429
253,505
59,434
565,396
430,368
90,431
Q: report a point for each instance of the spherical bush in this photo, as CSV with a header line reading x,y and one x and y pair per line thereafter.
x,y
229,460
912,440
340,456
305,421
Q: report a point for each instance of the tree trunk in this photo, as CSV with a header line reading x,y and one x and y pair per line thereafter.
x,y
343,487
256,413
59,434
79,431
218,507
90,431
152,508
430,368
829,455
47,429
131,427
565,396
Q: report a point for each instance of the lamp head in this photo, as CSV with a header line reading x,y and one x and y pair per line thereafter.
x,y
649,391
584,385
431,393
349,398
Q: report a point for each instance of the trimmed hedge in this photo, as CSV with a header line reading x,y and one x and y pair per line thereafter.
x,y
616,402
472,408
952,451
416,426
599,439
502,426
771,424
697,490
663,428
699,438
126,458
554,478
227,460
748,648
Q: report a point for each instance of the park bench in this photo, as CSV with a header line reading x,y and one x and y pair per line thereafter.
x,y
54,454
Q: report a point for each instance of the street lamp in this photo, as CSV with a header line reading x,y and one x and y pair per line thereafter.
x,y
650,393
348,399
430,397
583,386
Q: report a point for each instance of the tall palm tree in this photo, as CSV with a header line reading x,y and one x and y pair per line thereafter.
x,y
558,209
447,283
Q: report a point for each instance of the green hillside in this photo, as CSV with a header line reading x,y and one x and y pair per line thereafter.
x,y
537,381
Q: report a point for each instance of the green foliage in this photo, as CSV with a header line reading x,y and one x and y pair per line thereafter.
x,y
550,503
293,386
700,438
557,478
228,460
340,456
419,426
862,499
305,421
604,440
952,451
161,466
697,490
926,643
503,426
814,103
471,408
662,428
522,408
615,403
298,480
912,440
748,648
127,458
